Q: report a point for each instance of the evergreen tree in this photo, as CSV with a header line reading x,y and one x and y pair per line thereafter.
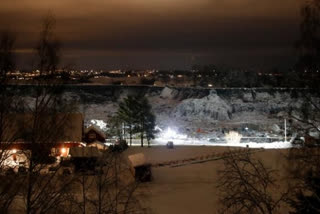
x,y
136,113
114,126
146,119
127,113
150,128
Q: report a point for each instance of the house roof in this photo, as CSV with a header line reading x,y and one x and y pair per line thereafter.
x,y
137,159
95,129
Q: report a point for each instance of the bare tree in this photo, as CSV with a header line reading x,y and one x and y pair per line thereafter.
x,y
6,97
112,189
43,125
304,161
304,177
307,121
9,184
7,61
247,186
48,47
309,43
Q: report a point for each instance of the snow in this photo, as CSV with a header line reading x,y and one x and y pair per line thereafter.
x,y
99,123
166,93
192,189
211,107
193,142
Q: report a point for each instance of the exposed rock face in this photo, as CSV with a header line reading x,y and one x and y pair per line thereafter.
x,y
167,93
201,106
211,107
183,93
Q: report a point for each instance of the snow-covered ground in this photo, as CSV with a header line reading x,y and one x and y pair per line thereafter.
x,y
192,188
196,142
231,139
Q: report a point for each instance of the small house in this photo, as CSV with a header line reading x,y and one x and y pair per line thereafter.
x,y
140,168
56,134
94,137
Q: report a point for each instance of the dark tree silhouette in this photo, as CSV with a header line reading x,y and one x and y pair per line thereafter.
x,y
309,43
246,185
43,125
307,199
9,184
7,60
136,113
48,47
305,161
305,179
127,112
112,189
146,119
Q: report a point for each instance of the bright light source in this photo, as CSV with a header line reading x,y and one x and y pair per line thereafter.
x,y
14,151
172,134
100,123
169,133
63,150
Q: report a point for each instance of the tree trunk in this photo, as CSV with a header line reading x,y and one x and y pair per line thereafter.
x,y
84,194
141,137
130,133
116,183
142,131
100,191
29,190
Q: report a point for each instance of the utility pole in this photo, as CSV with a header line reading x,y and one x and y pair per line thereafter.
x,y
285,130
123,131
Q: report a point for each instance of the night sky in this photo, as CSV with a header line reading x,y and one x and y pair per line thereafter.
x,y
161,34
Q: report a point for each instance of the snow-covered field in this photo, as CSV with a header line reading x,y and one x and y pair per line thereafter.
x,y
192,189
194,142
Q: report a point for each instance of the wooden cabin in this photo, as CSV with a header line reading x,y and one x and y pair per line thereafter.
x,y
53,135
94,137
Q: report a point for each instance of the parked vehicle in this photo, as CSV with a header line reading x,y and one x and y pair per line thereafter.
x,y
170,145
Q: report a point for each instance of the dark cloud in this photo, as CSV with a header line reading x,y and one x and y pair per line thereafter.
x,y
160,33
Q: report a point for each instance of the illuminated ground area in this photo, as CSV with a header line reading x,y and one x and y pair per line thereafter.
x,y
231,139
194,142
192,188
197,142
